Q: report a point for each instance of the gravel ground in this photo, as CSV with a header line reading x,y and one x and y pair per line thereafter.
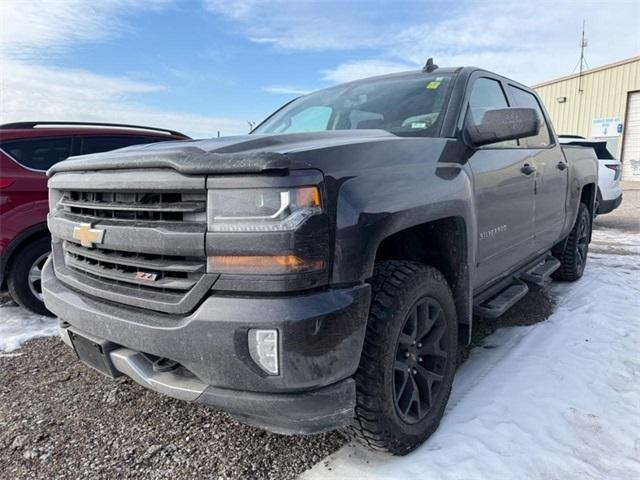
x,y
60,419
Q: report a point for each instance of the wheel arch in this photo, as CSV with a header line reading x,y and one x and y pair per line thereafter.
x,y
442,243
25,237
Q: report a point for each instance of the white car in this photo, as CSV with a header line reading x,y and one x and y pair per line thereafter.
x,y
609,172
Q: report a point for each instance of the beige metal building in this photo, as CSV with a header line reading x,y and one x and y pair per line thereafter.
x,y
603,102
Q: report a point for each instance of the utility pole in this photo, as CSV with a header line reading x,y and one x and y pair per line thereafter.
x,y
251,125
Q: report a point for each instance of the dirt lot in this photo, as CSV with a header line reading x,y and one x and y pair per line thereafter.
x,y
59,419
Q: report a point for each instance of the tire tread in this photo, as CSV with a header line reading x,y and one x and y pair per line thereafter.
x,y
387,282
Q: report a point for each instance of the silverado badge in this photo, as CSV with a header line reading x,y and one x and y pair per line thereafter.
x,y
87,235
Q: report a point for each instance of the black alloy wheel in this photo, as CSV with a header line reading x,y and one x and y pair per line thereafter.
x,y
421,359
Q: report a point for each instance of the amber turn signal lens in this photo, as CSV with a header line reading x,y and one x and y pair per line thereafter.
x,y
271,264
307,197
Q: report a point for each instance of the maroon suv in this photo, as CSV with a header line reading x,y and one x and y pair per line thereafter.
x,y
27,150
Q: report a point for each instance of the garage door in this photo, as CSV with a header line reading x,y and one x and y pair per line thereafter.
x,y
631,141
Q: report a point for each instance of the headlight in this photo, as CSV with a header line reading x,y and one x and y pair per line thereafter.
x,y
242,220
261,209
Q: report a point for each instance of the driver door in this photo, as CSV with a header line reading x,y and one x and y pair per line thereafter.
x,y
504,193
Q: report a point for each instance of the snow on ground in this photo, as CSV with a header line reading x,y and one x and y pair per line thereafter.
x,y
18,325
557,400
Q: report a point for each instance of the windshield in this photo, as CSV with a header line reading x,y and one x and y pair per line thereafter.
x,y
411,105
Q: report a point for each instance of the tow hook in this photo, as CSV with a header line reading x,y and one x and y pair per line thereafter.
x,y
165,365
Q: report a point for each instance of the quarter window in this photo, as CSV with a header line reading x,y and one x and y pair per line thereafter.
x,y
523,98
40,154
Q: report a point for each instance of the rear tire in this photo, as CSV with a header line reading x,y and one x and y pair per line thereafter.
x,y
408,361
575,248
24,283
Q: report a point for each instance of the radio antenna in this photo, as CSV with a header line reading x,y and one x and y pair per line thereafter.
x,y
429,66
582,63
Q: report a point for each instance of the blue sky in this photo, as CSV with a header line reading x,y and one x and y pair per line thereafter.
x,y
206,65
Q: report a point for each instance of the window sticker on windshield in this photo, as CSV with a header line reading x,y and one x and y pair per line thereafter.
x,y
418,125
433,85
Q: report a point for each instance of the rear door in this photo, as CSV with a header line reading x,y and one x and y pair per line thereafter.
x,y
25,161
550,176
503,192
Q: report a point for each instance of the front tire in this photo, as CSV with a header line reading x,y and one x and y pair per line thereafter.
x,y
408,361
24,282
574,250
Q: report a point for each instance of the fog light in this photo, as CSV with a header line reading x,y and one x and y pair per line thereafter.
x,y
263,347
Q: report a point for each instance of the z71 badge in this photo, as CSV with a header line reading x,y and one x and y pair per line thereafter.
x,y
149,277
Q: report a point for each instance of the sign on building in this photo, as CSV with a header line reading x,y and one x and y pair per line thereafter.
x,y
606,127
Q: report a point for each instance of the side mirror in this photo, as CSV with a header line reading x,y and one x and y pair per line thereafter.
x,y
504,124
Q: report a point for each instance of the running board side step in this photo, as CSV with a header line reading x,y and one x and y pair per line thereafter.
x,y
540,274
503,300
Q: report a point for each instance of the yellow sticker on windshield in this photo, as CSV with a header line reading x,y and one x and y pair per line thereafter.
x,y
433,85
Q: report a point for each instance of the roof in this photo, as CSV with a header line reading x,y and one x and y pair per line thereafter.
x,y
83,127
588,72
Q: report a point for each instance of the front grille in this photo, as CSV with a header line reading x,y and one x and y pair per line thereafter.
x,y
150,252
164,273
136,206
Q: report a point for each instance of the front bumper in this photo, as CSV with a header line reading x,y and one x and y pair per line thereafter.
x,y
321,337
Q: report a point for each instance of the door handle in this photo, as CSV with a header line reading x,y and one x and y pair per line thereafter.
x,y
561,166
528,169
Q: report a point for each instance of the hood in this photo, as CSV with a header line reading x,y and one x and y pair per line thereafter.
x,y
239,154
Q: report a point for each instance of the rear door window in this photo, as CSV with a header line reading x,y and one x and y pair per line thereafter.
x,y
38,154
523,98
104,143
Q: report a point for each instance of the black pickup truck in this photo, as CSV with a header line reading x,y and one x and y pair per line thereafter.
x,y
322,271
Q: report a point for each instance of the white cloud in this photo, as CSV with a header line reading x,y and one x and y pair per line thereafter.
x,y
286,90
301,25
529,40
42,26
237,10
35,90
349,71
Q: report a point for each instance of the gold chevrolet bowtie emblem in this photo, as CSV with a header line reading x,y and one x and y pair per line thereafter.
x,y
87,235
